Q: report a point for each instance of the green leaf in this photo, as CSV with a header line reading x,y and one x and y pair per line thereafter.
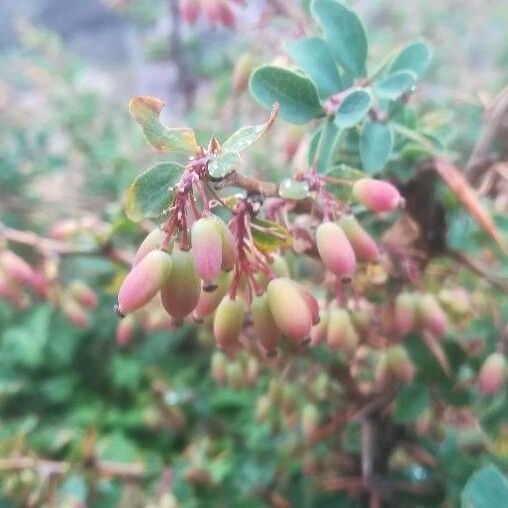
x,y
293,189
410,403
246,136
394,85
269,236
146,111
296,94
229,158
353,108
313,56
486,488
223,164
344,34
414,57
376,142
149,194
327,145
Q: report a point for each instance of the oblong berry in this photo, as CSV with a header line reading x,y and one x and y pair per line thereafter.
x,y
144,281
209,300
206,250
341,334
151,242
289,309
83,294
376,195
399,364
189,10
405,312
432,315
335,250
125,330
180,293
229,248
267,332
15,267
364,246
492,374
228,321
75,313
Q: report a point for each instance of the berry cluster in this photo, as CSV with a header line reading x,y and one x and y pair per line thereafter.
x,y
216,12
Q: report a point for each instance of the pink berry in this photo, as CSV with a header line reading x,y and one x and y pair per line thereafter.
x,y
364,246
335,250
207,251
144,281
376,195
289,309
492,374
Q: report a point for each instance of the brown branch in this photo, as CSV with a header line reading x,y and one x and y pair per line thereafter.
x,y
50,467
48,246
251,185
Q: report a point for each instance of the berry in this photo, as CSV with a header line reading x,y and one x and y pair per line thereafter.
x,y
376,195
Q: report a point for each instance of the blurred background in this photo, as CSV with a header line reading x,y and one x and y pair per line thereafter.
x,y
150,411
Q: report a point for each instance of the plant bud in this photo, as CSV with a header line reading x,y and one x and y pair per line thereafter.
x,y
189,10
318,332
456,300
241,73
209,300
218,367
376,195
75,313
151,242
16,267
364,246
263,406
64,229
217,11
252,370
405,312
335,250
144,281
180,293
229,249
289,309
399,364
432,315
265,327
492,374
341,334
310,420
125,330
11,291
235,375
83,294
207,251
228,322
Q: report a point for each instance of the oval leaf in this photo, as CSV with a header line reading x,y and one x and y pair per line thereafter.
x,y
223,164
394,85
414,57
486,488
353,108
293,189
146,111
269,236
296,94
327,145
313,56
149,194
344,33
375,146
